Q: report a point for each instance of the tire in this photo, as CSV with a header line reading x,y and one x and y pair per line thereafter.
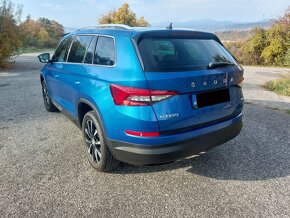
x,y
95,145
46,99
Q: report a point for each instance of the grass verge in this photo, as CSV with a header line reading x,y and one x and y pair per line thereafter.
x,y
279,86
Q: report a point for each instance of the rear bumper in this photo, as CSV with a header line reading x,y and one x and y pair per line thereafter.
x,y
201,140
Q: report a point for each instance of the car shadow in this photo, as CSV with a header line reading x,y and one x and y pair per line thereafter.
x,y
260,152
230,161
130,169
242,164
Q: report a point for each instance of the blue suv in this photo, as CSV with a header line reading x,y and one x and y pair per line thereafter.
x,y
144,96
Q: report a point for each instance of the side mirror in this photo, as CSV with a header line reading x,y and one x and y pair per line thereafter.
x,y
44,58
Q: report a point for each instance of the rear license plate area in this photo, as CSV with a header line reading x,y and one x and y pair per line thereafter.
x,y
206,99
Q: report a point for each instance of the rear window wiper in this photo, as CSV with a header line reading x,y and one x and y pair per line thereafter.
x,y
213,65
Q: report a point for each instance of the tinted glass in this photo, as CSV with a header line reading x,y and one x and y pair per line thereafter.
x,y
78,49
90,51
165,55
105,51
61,52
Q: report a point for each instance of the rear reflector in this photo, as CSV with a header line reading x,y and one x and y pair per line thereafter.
x,y
240,84
130,96
142,134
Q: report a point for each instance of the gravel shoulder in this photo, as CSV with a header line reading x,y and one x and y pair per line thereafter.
x,y
254,93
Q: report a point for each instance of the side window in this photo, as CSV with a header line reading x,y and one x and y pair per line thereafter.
x,y
61,52
78,49
90,51
105,51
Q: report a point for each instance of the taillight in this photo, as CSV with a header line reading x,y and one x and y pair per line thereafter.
x,y
129,96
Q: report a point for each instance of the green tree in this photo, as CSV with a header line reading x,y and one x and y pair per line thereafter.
x,y
10,38
276,49
271,47
123,15
278,41
254,47
287,57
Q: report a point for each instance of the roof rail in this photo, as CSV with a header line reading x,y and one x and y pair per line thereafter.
x,y
111,26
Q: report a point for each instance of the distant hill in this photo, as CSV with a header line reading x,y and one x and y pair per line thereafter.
x,y
234,35
209,25
226,30
215,25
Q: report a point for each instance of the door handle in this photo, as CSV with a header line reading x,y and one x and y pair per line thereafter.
x,y
59,66
77,83
56,76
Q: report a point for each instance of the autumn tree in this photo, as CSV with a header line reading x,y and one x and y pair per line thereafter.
x,y
10,39
41,33
29,30
53,28
123,15
57,29
43,37
142,22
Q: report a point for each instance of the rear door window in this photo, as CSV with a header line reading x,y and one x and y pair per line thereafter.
x,y
105,51
90,51
79,48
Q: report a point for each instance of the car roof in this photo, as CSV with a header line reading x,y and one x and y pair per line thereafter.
x,y
140,32
115,29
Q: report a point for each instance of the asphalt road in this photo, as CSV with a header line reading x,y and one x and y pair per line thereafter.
x,y
44,171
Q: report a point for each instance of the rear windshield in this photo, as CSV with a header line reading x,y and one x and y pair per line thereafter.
x,y
173,55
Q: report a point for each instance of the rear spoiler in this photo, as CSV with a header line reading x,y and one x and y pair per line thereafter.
x,y
184,34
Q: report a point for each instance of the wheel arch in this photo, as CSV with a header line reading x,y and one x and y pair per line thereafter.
x,y
85,106
41,78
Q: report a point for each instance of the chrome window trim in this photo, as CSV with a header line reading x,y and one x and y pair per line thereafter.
x,y
93,37
68,53
67,36
138,53
115,52
97,35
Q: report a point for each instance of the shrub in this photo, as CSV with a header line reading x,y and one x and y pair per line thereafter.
x,y
10,39
280,86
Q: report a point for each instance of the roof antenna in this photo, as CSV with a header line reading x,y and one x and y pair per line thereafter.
x,y
169,27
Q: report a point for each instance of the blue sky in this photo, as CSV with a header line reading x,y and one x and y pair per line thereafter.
x,y
80,13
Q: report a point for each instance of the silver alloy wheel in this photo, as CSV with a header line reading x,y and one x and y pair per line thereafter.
x,y
45,94
92,140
